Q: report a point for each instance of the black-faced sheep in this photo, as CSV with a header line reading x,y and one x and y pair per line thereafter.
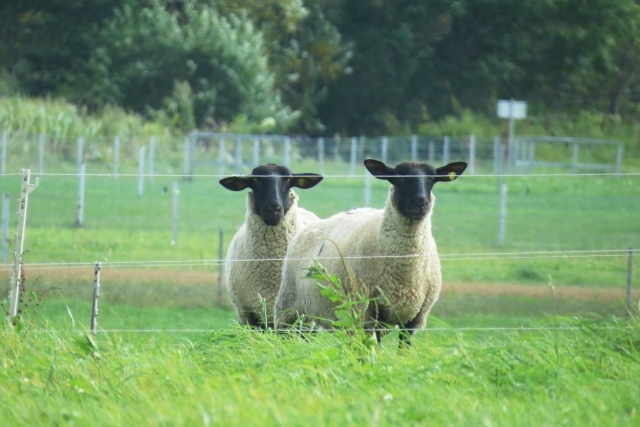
x,y
390,252
254,258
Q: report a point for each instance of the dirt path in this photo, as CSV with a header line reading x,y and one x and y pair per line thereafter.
x,y
128,276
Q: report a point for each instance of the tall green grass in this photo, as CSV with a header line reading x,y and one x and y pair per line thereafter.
x,y
582,376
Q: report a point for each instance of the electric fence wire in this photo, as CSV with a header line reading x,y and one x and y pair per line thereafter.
x,y
490,256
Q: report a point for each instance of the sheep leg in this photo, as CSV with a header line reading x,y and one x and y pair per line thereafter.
x,y
408,329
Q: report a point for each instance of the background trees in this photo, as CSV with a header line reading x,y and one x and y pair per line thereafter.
x,y
324,66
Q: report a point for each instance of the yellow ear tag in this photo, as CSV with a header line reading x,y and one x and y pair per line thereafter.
x,y
452,176
301,181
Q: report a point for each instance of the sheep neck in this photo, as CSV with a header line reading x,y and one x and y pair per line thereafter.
x,y
273,239
399,235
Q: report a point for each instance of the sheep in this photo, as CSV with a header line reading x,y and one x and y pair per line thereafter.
x,y
390,252
254,259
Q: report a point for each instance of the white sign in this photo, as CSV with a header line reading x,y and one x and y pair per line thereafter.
x,y
505,109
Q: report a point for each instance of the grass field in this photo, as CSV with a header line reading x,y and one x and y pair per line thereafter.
x,y
572,358
574,377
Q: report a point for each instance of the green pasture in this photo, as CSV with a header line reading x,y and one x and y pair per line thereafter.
x,y
584,375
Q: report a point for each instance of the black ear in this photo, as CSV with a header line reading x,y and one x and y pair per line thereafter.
x,y
306,180
379,169
236,183
450,172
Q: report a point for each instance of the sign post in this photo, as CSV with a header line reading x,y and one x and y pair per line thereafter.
x,y
512,110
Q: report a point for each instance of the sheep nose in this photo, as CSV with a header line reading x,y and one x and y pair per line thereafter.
x,y
420,202
273,209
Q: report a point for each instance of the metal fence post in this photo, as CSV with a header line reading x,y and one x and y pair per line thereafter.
x,y
287,152
6,201
414,148
152,149
80,211
17,255
176,200
96,295
501,160
618,158
445,151
141,170
321,156
80,152
354,147
384,148
496,153
574,161
532,155
116,157
256,152
221,156
472,155
238,162
40,153
3,161
367,189
503,214
220,264
432,152
187,163
629,276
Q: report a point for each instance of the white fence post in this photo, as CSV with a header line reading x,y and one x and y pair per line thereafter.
x,y
3,161
432,152
445,151
152,149
574,160
176,200
414,148
384,149
618,158
532,155
17,255
500,161
187,158
321,156
80,152
220,265
221,156
116,157
96,295
80,212
238,155
629,277
286,161
256,152
472,155
141,170
40,153
6,201
354,147
503,214
367,189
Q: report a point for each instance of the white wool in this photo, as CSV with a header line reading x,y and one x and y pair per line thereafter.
x,y
249,277
369,239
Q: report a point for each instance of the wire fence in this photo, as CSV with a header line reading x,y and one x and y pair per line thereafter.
x,y
572,223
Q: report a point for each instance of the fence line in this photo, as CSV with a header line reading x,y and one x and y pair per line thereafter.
x,y
297,330
137,175
595,253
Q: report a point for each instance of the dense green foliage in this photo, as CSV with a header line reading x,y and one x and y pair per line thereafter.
x,y
324,66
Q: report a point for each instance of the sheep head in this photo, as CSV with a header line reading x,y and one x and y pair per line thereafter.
x,y
270,184
413,182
